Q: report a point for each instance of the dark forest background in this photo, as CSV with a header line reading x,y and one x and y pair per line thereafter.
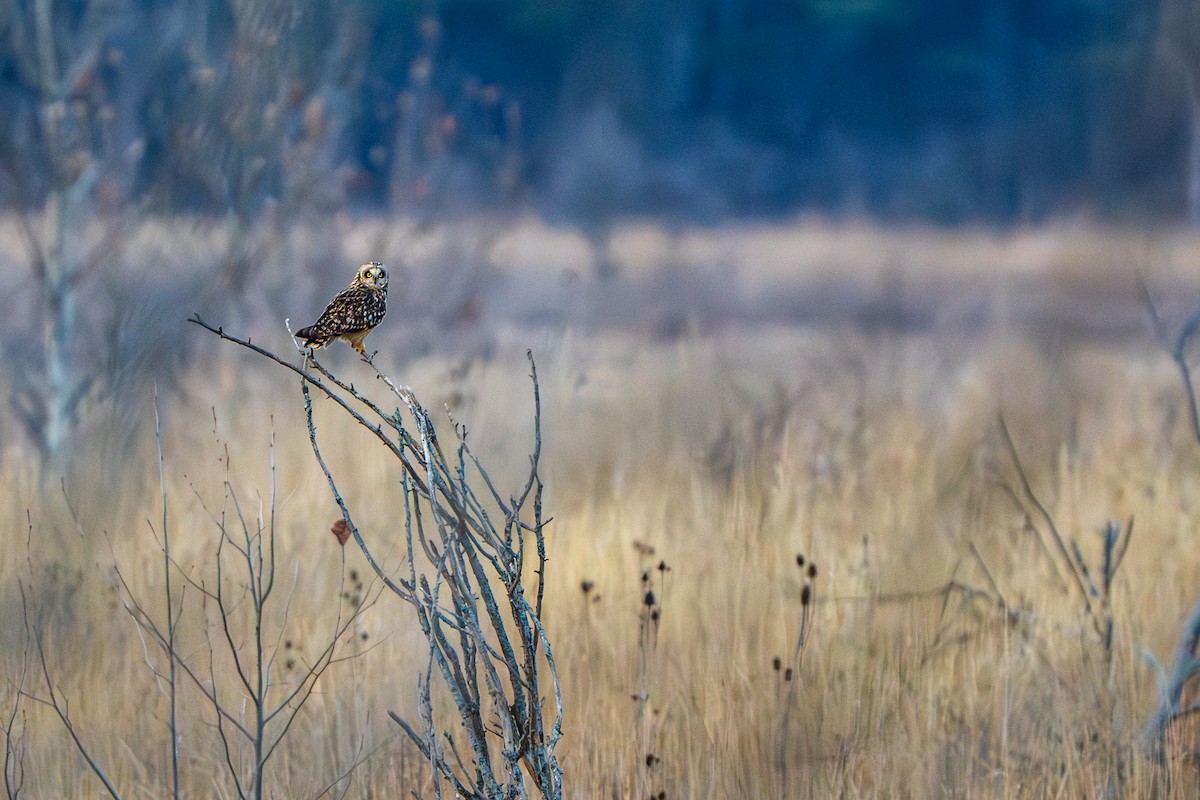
x,y
908,110
160,158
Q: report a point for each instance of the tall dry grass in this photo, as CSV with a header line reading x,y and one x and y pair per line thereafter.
x,y
944,654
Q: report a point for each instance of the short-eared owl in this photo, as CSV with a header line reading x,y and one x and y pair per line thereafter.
x,y
353,312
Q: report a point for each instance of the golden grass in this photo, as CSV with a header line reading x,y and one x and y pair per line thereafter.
x,y
877,456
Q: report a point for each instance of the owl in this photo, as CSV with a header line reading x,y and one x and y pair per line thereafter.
x,y
354,312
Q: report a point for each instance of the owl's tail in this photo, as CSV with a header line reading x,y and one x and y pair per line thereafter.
x,y
310,336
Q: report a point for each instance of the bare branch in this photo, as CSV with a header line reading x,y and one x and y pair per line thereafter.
x,y
59,706
1033,499
487,645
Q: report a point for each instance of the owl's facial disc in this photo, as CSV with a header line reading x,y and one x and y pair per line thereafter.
x,y
373,273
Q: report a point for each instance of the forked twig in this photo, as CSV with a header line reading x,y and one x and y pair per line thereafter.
x,y
1177,347
58,705
1031,497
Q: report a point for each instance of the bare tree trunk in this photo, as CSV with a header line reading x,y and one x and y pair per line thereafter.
x,y
1193,176
48,404
44,32
64,217
1178,40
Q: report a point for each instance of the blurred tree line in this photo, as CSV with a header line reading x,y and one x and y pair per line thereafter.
x,y
936,110
278,115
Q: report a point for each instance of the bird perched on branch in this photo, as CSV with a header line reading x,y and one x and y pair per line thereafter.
x,y
354,312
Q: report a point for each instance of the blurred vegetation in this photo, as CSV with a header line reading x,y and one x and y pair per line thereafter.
x,y
928,110
269,127
725,394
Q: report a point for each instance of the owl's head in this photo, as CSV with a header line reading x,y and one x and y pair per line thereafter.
x,y
371,274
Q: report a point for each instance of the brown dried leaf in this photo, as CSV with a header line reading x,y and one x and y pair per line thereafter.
x,y
341,531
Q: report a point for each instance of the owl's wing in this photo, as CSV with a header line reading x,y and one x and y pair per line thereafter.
x,y
354,309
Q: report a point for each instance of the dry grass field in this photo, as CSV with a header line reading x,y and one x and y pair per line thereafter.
x,y
731,401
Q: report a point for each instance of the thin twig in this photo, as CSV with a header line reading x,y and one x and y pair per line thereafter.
x,y
1032,497
173,725
59,707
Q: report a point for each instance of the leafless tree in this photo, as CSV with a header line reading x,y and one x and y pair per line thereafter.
x,y
58,51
